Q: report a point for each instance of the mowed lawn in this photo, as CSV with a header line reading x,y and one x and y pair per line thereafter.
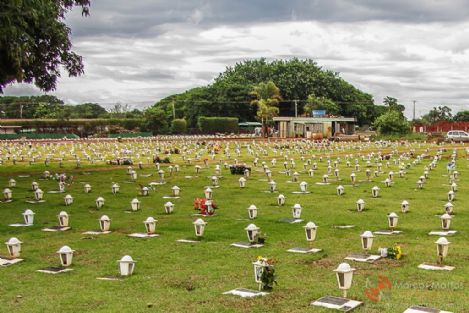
x,y
178,277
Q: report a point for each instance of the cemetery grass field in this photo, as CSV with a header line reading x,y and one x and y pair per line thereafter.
x,y
178,277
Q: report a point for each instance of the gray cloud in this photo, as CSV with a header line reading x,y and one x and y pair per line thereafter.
x,y
142,51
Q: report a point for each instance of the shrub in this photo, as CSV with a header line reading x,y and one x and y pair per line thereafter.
x,y
179,126
210,125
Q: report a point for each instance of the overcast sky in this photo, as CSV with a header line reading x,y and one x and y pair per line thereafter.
x,y
138,52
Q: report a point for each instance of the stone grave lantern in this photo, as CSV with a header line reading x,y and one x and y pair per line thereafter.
x,y
419,184
176,190
252,211
208,193
393,218
344,274
214,181
197,169
135,204
199,227
12,183
449,208
311,172
247,173
129,169
281,200
208,204
99,202
337,173
133,175
242,182
68,200
451,195
161,175
64,219
295,176
442,245
252,231
375,191
360,205
387,182
28,217
353,178
168,207
7,194
304,186
104,223
61,186
218,169
115,188
87,188
310,231
145,191
38,194
259,268
150,225
368,173
401,173
367,240
445,221
296,211
340,190
404,206
14,247
66,255
454,187
34,186
273,186
391,175
126,265
325,178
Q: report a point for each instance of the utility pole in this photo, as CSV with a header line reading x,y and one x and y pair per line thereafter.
x,y
174,110
413,117
296,107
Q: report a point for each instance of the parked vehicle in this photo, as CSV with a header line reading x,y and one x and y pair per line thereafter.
x,y
457,136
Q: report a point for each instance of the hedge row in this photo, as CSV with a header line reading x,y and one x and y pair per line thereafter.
x,y
128,123
210,125
131,135
38,136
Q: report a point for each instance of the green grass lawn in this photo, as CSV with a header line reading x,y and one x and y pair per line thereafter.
x,y
177,277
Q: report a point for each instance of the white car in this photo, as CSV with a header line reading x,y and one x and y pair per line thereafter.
x,y
457,135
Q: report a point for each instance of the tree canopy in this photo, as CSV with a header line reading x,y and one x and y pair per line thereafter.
x,y
230,93
35,42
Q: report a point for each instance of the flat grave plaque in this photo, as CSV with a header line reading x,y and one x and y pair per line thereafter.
x,y
6,261
435,267
387,232
245,293
246,245
358,257
442,232
304,250
93,232
143,235
422,309
341,304
54,270
56,228
290,220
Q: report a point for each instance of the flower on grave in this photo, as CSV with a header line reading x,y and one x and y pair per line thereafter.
x,y
201,205
394,252
260,238
267,277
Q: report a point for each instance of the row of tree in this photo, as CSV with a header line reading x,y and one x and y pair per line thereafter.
x,y
50,107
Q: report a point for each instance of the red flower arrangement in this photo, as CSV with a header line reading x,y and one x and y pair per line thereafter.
x,y
199,204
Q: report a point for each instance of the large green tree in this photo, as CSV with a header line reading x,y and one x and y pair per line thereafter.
x,y
437,114
35,42
462,116
230,95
